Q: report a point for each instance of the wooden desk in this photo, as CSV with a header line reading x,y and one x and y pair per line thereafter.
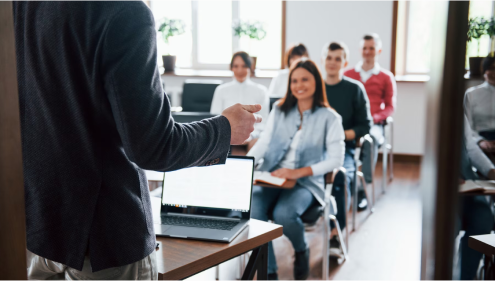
x,y
154,179
485,244
180,258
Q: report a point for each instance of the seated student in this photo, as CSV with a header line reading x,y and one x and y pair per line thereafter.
x,y
382,91
480,110
278,86
348,97
303,140
476,215
241,90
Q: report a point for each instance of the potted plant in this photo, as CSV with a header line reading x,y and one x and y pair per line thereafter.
x,y
477,29
490,31
170,28
252,30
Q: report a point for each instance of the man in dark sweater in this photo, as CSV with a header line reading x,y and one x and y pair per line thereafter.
x,y
348,97
93,116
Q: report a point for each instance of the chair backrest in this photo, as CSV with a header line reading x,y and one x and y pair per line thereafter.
x,y
272,101
314,212
188,117
198,94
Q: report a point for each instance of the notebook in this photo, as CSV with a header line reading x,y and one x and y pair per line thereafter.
x,y
266,177
477,186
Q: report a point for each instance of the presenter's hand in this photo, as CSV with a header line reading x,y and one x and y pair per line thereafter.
x,y
242,120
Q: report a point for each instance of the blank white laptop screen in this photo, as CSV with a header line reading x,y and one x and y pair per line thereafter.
x,y
219,186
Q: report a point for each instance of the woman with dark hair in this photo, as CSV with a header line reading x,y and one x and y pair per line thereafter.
x,y
278,86
241,90
303,140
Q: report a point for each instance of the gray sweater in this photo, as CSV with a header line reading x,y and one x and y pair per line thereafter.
x,y
93,115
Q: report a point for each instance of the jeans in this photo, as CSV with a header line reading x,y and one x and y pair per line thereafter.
x,y
285,207
377,133
338,190
40,268
476,219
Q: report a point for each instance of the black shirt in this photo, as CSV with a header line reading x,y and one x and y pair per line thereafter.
x,y
93,114
349,99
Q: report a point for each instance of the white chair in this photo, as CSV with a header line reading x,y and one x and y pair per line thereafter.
x,y
388,152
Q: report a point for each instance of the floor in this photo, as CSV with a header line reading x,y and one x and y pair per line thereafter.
x,y
385,245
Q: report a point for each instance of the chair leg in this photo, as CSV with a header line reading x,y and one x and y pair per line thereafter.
x,y
384,166
363,182
326,244
339,233
217,272
391,161
372,174
354,199
391,151
346,220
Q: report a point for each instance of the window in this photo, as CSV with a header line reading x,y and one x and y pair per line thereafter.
x,y
414,38
479,9
209,43
181,45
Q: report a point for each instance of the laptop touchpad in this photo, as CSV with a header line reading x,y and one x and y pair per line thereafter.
x,y
190,231
160,229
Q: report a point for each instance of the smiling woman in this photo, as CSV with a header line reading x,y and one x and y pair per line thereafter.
x,y
305,85
303,140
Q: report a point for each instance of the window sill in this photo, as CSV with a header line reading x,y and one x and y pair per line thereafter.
x,y
215,73
186,72
412,78
468,77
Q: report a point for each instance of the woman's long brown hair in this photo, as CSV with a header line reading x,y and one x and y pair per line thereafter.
x,y
320,95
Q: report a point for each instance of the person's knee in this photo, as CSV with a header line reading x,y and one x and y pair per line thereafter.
x,y
484,224
285,216
259,208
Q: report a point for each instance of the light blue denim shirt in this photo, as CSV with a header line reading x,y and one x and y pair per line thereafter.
x,y
321,145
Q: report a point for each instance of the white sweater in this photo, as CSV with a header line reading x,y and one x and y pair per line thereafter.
x,y
247,93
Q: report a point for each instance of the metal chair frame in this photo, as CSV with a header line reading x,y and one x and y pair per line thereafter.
x,y
359,174
388,157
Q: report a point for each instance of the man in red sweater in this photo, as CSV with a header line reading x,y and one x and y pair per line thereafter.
x,y
381,89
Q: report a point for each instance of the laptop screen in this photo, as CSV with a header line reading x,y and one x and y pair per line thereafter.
x,y
227,186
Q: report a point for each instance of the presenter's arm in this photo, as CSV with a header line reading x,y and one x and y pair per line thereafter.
x,y
149,135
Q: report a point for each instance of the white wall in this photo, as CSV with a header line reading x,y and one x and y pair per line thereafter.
x,y
410,118
315,23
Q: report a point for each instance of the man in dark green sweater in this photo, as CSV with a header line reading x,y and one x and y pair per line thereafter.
x,y
348,97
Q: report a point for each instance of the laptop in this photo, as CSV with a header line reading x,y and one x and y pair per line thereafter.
x,y
207,203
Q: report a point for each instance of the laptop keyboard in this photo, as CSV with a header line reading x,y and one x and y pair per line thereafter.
x,y
199,222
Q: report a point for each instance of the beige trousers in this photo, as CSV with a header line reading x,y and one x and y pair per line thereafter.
x,y
40,268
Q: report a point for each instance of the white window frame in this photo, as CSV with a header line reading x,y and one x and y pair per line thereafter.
x,y
401,62
195,64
